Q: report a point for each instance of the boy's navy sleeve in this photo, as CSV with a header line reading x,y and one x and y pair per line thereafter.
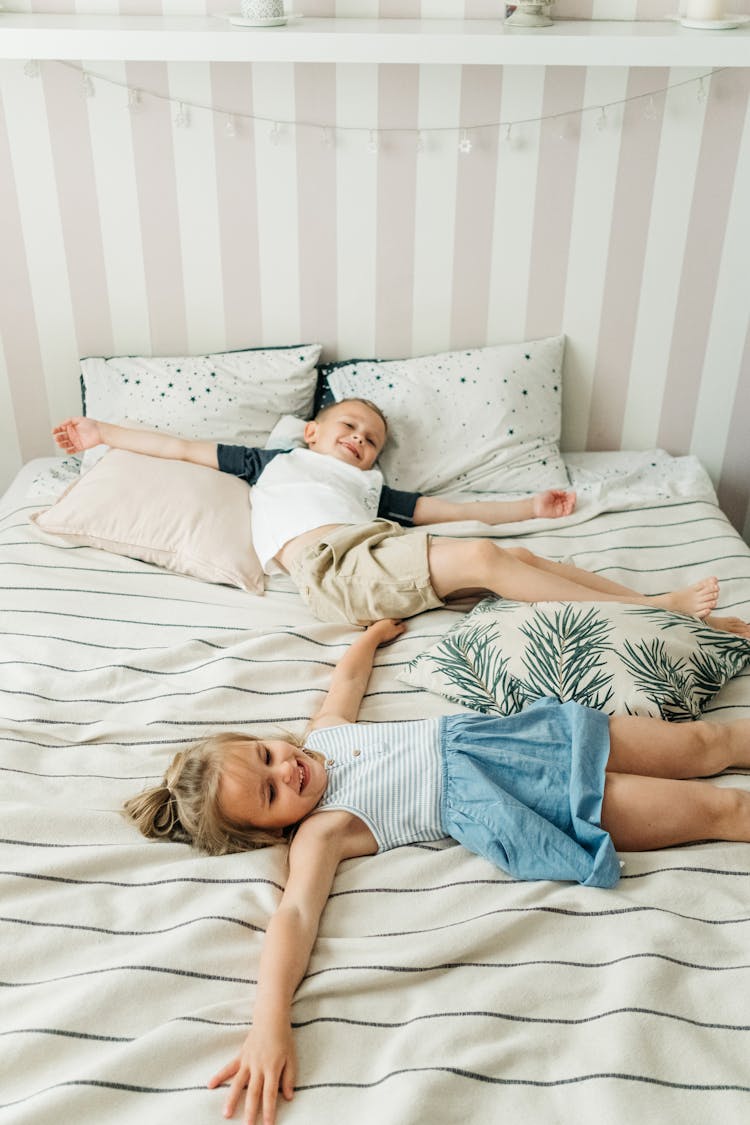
x,y
244,461
398,506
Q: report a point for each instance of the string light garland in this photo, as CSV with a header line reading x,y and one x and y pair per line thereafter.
x,y
278,127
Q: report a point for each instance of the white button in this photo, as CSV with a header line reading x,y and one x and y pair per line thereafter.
x,y
330,762
356,753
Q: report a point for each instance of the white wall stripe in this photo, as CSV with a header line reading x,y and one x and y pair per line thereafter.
x,y
114,169
553,205
357,105
589,238
70,144
681,130
399,9
627,250
728,335
732,488
276,172
10,447
398,106
157,203
475,206
515,194
316,161
620,9
439,102
22,396
237,204
41,233
195,177
361,9
725,114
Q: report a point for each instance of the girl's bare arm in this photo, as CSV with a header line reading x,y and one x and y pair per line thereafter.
x,y
267,1060
352,674
74,435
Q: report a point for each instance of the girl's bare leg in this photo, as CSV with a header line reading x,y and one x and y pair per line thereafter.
x,y
641,813
655,748
461,564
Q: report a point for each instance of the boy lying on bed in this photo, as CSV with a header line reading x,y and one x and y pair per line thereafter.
x,y
323,515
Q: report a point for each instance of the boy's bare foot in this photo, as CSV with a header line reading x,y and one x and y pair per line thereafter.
x,y
695,601
729,625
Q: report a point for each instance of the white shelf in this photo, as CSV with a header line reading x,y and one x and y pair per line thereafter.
x,y
463,42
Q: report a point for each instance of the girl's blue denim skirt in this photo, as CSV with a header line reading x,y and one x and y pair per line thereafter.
x,y
525,791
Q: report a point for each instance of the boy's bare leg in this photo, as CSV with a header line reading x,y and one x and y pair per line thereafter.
x,y
573,573
655,748
604,585
460,564
728,624
641,813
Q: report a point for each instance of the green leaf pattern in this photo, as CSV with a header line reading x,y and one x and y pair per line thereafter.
x,y
475,668
615,658
565,654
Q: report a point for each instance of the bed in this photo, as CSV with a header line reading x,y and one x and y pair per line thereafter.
x,y
439,988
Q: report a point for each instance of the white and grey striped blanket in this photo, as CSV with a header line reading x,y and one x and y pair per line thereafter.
x,y
439,989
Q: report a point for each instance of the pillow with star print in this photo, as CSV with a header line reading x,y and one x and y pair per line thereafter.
x,y
236,397
476,420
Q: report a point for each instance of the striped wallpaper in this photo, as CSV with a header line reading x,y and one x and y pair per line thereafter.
x,y
127,230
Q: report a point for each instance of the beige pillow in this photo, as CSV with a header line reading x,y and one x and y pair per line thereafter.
x,y
179,516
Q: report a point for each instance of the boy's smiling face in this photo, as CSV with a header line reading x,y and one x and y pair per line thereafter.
x,y
350,431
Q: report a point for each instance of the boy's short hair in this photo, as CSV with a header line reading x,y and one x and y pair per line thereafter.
x,y
365,402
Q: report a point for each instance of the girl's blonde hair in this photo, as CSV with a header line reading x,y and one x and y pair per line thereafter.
x,y
185,807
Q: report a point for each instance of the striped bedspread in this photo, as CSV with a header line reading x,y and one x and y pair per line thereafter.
x,y
439,989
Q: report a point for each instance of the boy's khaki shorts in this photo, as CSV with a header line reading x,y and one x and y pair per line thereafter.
x,y
361,572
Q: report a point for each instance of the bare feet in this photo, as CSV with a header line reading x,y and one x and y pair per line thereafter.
x,y
695,601
729,625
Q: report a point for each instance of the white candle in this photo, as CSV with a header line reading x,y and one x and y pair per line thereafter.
x,y
704,9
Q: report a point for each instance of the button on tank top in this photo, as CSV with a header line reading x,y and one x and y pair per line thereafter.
x,y
388,774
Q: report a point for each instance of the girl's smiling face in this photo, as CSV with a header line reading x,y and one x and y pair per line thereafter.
x,y
270,784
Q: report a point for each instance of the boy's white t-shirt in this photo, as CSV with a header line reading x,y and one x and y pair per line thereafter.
x,y
301,490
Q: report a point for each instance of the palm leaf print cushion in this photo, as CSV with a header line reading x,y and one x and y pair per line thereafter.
x,y
617,658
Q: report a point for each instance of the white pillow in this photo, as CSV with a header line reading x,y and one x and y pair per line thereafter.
x,y
235,397
617,658
483,419
288,433
179,516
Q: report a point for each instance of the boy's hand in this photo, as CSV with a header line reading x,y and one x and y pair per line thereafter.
x,y
553,504
76,434
267,1061
385,630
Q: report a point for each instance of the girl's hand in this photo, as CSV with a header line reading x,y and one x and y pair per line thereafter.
x,y
385,630
553,504
266,1063
76,434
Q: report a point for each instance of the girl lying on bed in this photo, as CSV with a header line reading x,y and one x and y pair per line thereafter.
x,y
545,794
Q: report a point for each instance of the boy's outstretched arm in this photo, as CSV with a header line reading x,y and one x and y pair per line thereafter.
x,y
74,435
551,504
